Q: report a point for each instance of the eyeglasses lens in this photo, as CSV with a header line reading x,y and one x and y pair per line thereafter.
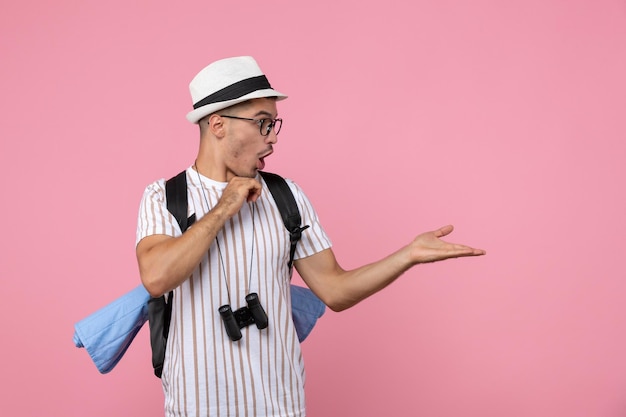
x,y
268,124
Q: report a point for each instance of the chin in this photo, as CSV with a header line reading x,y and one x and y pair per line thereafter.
x,y
250,174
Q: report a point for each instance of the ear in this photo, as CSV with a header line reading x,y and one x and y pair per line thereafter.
x,y
215,125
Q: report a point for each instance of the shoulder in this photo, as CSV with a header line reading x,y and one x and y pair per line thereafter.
x,y
155,190
295,188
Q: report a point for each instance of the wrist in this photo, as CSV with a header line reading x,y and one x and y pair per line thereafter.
x,y
406,258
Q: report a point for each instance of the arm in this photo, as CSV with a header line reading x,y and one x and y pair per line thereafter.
x,y
165,262
341,289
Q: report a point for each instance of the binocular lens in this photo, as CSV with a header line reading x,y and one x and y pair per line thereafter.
x,y
230,324
256,309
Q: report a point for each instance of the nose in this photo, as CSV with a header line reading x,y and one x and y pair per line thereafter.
x,y
272,138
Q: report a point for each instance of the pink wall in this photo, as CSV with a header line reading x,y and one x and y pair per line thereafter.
x,y
507,119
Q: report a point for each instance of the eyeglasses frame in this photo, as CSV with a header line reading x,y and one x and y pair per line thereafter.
x,y
260,122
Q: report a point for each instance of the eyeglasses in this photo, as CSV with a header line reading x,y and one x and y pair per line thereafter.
x,y
265,125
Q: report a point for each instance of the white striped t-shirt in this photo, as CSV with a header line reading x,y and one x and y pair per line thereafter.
x,y
205,373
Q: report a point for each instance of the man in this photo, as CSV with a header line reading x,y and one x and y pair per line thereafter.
x,y
239,246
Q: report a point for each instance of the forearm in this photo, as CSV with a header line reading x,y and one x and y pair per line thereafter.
x,y
355,285
341,289
166,262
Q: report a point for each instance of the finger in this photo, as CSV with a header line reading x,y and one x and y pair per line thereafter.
x,y
444,231
255,192
468,251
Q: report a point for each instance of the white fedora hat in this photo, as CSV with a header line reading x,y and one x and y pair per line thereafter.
x,y
227,82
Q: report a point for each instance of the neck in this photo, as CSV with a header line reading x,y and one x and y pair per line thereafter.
x,y
211,170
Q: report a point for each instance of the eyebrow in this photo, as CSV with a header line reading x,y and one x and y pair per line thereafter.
x,y
264,113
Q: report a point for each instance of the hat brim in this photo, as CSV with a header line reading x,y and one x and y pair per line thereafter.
x,y
196,115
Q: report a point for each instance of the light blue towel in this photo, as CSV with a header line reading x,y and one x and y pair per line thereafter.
x,y
107,333
306,308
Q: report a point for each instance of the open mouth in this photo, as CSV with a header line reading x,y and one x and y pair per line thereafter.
x,y
261,161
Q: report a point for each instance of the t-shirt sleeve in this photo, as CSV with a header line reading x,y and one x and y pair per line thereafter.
x,y
154,218
314,238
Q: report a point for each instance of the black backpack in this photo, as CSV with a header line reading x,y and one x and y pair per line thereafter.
x,y
160,309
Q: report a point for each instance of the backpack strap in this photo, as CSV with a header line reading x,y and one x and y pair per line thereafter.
x,y
176,197
160,308
283,196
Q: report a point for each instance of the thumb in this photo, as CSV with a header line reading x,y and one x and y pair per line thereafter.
x,y
444,231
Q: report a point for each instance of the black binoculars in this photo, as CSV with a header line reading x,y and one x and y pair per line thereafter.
x,y
234,321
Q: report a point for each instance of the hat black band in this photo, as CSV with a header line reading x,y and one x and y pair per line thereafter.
x,y
236,90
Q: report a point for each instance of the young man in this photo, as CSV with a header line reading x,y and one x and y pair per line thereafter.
x,y
238,246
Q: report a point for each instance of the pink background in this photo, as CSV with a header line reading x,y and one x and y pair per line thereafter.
x,y
507,119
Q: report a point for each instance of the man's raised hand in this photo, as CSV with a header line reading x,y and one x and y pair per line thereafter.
x,y
428,247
